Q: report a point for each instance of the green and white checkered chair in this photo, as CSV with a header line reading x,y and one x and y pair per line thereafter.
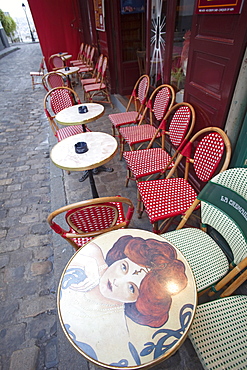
x,y
224,208
219,333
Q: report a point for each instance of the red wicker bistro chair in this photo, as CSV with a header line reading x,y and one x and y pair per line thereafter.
x,y
95,78
56,62
79,56
165,199
137,98
54,79
160,102
98,89
55,100
84,56
93,217
176,128
88,66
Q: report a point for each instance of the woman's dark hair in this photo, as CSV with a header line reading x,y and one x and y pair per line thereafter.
x,y
165,277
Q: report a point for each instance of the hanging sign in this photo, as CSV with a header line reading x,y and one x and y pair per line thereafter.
x,y
219,6
99,11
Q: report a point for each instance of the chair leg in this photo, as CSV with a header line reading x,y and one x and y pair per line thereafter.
x,y
113,131
121,147
166,224
32,81
140,205
127,177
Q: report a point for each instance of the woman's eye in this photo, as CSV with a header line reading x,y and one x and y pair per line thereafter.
x,y
132,288
124,267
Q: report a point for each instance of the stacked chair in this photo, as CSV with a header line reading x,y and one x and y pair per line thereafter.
x,y
79,56
218,259
88,65
98,90
175,129
93,217
137,100
55,100
95,74
159,103
164,199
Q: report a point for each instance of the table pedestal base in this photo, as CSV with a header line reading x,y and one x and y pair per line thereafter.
x,y
95,172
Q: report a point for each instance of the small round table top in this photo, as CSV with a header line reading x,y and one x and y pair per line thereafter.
x,y
127,299
101,148
67,56
70,71
71,114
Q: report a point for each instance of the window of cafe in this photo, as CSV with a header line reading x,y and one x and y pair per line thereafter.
x,y
159,35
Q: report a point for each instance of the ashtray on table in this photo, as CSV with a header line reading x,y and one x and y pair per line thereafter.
x,y
81,147
82,109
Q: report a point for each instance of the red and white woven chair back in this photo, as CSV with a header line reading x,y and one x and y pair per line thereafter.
x,y
99,63
208,155
104,67
92,53
60,99
55,80
94,217
57,62
142,90
161,103
179,125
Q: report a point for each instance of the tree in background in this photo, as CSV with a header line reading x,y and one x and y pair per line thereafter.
x,y
8,24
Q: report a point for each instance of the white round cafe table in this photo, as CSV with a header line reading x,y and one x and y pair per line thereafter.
x,y
101,148
68,72
105,332
71,116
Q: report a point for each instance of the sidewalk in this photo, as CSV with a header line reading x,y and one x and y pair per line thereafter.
x,y
32,257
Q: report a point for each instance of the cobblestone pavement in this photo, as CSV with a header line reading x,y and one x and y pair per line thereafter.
x,y
32,257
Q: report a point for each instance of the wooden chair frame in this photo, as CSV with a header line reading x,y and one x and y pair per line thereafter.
x,y
135,105
167,220
51,115
147,119
40,73
96,202
165,132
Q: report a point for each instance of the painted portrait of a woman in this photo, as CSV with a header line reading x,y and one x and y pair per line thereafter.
x,y
112,296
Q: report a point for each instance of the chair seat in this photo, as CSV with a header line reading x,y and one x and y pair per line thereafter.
x,y
125,118
94,87
138,134
88,81
218,333
166,198
85,69
147,161
67,131
193,243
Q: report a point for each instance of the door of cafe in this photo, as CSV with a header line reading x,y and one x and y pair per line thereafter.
x,y
125,36
217,45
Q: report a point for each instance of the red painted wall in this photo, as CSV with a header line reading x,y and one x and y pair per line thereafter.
x,y
58,25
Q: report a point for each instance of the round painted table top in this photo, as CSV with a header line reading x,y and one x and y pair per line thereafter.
x,y
101,148
127,299
71,114
70,71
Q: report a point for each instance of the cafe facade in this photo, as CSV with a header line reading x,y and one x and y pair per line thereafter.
x,y
198,46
